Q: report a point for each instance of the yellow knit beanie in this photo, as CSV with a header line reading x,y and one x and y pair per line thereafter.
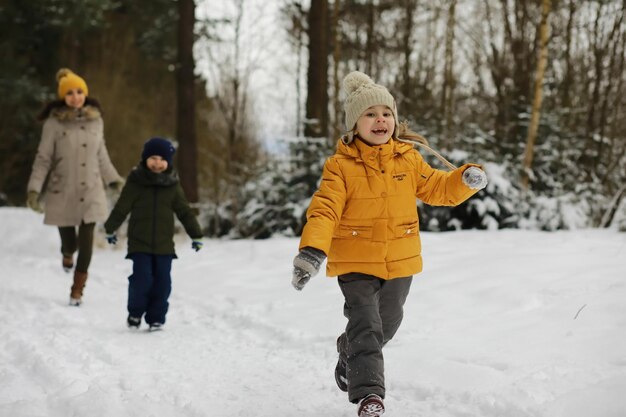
x,y
68,80
361,94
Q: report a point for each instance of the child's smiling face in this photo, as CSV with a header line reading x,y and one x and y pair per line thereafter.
x,y
156,164
376,124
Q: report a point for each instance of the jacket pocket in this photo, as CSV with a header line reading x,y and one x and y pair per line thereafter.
x,y
55,183
353,232
406,230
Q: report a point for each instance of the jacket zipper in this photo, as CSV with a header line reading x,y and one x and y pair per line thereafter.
x,y
154,219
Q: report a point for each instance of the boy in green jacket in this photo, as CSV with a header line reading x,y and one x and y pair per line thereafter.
x,y
152,195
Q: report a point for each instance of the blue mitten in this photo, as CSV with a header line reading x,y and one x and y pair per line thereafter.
x,y
111,238
196,245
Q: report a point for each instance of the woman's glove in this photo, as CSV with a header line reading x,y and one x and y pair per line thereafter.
x,y
475,178
306,265
116,185
32,201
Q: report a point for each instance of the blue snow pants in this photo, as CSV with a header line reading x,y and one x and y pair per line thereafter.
x,y
149,286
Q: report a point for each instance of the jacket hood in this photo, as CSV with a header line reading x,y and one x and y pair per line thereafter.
x,y
68,114
143,176
357,148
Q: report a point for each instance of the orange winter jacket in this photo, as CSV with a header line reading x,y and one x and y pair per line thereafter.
x,y
364,214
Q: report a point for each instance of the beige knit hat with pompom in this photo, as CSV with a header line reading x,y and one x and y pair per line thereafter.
x,y
68,81
361,94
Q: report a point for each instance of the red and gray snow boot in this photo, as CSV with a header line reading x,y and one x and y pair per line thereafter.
x,y
371,406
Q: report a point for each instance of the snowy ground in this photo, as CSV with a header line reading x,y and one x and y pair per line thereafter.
x,y
500,324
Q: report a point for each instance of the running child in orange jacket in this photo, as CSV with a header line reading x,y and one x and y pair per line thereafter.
x,y
364,219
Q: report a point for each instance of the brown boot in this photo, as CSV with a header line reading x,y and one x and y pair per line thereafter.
x,y
80,278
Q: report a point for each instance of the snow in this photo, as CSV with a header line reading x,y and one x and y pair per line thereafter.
x,y
510,323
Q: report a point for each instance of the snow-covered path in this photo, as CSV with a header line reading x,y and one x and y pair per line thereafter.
x,y
506,324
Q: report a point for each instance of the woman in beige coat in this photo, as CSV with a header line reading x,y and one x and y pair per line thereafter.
x,y
69,174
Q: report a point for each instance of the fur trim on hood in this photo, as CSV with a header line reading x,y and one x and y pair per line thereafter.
x,y
68,114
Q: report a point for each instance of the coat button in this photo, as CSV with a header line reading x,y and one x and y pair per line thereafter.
x,y
82,199
83,164
84,145
408,231
354,233
82,127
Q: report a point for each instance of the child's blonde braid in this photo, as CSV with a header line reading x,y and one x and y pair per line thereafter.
x,y
407,135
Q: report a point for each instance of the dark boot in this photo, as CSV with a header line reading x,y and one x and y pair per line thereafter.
x,y
341,369
80,278
68,262
133,322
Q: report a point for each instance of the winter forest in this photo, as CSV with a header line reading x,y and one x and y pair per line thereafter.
x,y
250,91
519,309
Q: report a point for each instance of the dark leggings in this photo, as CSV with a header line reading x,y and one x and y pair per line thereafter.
x,y
83,241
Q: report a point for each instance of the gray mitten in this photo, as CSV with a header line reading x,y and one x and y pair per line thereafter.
x,y
475,178
306,265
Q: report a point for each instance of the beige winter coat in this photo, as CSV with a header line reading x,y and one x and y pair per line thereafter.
x,y
72,167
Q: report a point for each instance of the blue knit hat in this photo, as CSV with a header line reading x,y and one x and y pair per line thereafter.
x,y
158,146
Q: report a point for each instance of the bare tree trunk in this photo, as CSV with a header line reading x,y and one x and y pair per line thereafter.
x,y
317,76
618,98
336,58
432,40
538,96
299,48
407,48
567,80
500,74
523,56
185,101
234,163
598,58
369,46
616,151
615,38
297,16
447,94
233,123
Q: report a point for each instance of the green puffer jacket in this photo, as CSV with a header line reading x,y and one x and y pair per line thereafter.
x,y
152,200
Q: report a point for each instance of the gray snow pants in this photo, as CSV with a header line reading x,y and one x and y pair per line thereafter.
x,y
374,309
